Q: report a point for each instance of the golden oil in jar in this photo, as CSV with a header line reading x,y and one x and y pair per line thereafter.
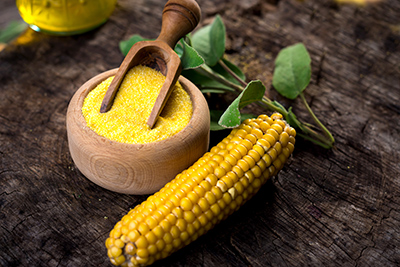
x,y
65,17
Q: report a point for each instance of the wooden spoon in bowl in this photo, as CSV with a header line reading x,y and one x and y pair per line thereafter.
x,y
178,19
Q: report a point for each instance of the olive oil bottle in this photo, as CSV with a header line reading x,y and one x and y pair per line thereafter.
x,y
65,17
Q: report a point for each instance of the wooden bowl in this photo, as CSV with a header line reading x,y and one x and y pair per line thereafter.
x,y
135,168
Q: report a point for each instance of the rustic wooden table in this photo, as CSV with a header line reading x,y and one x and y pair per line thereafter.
x,y
338,207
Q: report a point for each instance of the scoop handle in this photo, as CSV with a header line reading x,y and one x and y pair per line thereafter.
x,y
178,19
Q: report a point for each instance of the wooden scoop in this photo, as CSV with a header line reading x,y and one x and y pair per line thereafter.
x,y
178,19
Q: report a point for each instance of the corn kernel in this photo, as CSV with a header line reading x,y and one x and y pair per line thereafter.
x,y
269,138
181,224
141,242
219,172
210,197
223,152
246,143
176,243
206,193
239,187
133,235
109,242
196,210
212,179
166,225
278,148
160,244
186,204
272,153
284,139
264,144
277,128
206,185
158,231
178,212
222,185
217,192
240,133
245,127
254,155
130,249
286,152
152,249
215,209
243,165
251,161
252,138
184,236
119,260
226,166
199,191
232,176
278,164
264,126
151,238
203,220
262,164
119,243
203,204
175,232
143,253
258,133
168,238
238,170
143,228
221,203
230,159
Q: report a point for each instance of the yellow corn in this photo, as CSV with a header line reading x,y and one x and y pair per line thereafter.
x,y
203,195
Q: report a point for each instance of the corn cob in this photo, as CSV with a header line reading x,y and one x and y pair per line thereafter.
x,y
209,191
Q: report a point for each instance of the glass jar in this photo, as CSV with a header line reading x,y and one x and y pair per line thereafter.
x,y
65,17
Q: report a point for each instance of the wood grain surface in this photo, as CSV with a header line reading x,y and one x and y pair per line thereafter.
x,y
338,207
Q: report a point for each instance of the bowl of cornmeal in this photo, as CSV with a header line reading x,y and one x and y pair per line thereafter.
x,y
117,150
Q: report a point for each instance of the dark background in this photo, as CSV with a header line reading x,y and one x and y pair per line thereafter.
x,y
337,207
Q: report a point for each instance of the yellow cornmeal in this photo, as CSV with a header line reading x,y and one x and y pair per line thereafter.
x,y
126,121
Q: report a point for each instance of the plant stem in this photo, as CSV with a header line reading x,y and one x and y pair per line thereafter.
x,y
234,75
317,121
268,103
305,128
209,73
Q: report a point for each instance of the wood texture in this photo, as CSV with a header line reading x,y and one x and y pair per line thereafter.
x,y
326,208
135,168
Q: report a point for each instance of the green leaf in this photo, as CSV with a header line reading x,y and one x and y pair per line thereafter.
x,y
235,69
209,41
292,71
13,29
292,119
253,92
190,58
213,90
214,117
220,70
245,116
204,82
125,46
279,105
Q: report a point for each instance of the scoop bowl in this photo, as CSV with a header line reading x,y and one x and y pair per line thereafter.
x,y
135,168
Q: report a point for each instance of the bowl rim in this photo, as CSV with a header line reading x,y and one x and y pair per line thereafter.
x,y
188,86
